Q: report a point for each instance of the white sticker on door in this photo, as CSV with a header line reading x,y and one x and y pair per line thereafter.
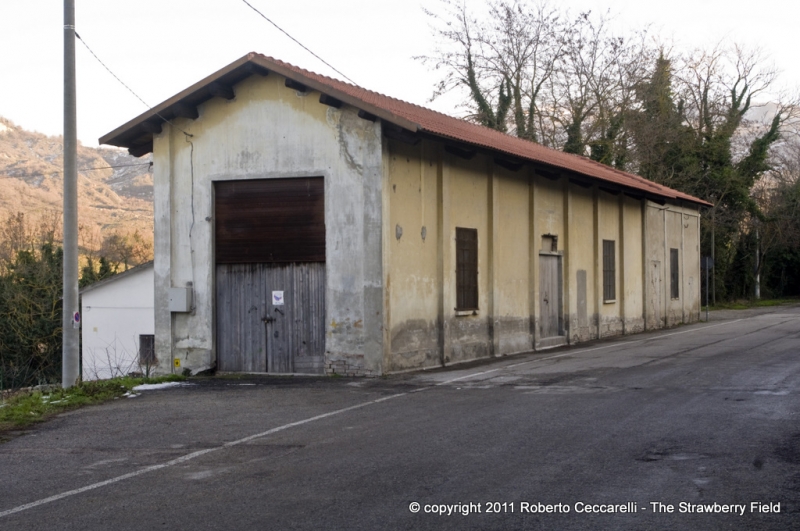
x,y
277,298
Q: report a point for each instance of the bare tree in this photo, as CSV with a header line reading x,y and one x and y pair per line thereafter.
x,y
505,62
593,89
127,249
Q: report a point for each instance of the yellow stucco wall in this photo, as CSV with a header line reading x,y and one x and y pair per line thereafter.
x,y
608,229
511,297
512,212
413,279
582,267
631,276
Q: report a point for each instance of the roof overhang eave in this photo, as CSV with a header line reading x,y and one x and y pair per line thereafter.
x,y
644,191
137,133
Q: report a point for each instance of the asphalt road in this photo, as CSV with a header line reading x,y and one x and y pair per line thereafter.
x,y
698,417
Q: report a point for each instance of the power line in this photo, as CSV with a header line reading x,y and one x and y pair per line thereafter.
x,y
126,86
79,169
298,42
110,72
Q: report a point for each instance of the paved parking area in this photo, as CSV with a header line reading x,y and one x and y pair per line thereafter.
x,y
664,425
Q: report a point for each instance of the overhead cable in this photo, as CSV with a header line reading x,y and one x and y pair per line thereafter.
x,y
298,42
126,86
9,176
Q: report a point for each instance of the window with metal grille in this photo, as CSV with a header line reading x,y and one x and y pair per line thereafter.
x,y
466,269
147,349
674,274
609,271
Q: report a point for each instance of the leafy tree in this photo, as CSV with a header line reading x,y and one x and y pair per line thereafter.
x,y
30,332
682,119
704,145
30,300
91,274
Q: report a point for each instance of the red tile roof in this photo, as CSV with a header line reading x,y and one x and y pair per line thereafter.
x,y
406,115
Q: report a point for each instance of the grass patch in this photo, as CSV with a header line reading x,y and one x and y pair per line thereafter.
x,y
29,407
774,302
746,304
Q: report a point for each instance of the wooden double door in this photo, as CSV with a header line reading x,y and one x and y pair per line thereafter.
x,y
271,317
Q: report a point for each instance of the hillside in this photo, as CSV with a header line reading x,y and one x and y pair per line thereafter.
x,y
110,200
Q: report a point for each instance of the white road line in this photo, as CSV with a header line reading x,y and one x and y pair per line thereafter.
x,y
189,457
199,453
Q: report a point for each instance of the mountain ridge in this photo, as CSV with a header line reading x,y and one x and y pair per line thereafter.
x,y
115,189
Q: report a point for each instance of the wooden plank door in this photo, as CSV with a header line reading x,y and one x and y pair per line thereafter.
x,y
241,306
269,236
549,296
656,293
256,335
296,336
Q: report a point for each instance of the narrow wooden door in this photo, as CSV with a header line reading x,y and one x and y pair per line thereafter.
x,y
656,292
549,296
241,307
295,317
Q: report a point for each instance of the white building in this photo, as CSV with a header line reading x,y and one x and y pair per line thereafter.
x,y
118,324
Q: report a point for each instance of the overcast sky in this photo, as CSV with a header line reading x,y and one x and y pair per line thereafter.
x,y
160,47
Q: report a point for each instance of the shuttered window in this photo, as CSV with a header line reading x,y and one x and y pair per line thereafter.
x,y
674,274
609,271
466,269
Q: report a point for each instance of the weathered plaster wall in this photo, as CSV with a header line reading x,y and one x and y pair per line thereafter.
x,y
431,192
513,211
691,266
469,207
608,219
270,131
582,267
391,214
412,242
655,278
630,275
671,227
674,241
548,219
511,235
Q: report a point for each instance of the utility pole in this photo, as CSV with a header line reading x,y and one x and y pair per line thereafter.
x,y
758,264
70,324
713,252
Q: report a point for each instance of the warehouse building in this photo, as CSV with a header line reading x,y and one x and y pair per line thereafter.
x,y
306,225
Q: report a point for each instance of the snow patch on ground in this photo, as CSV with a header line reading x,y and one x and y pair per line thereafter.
x,y
152,387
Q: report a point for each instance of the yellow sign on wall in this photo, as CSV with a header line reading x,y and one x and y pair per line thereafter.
x,y
177,363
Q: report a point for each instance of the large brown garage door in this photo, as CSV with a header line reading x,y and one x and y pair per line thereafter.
x,y
270,275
